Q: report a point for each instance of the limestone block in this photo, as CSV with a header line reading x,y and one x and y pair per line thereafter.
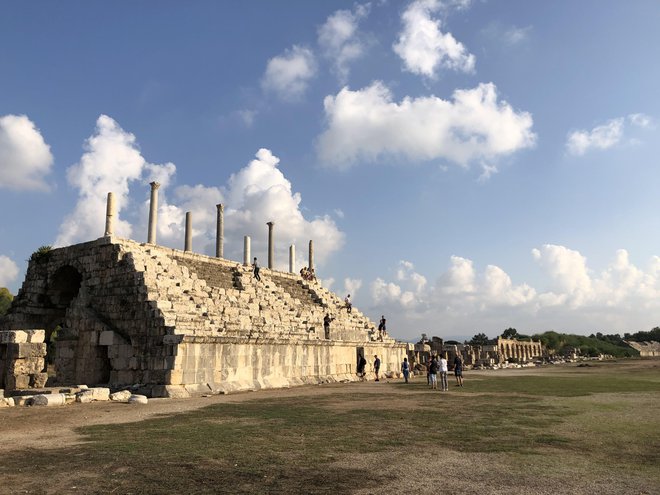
x,y
13,336
38,380
7,402
84,396
23,400
26,366
171,391
49,400
99,393
121,396
2,393
25,350
15,382
138,399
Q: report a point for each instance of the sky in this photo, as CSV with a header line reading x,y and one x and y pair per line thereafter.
x,y
462,166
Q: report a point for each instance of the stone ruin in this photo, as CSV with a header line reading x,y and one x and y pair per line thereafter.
x,y
172,323
499,353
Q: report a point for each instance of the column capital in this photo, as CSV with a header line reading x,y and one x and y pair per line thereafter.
x,y
220,206
270,224
154,185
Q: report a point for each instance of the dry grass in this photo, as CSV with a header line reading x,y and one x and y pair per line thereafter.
x,y
563,430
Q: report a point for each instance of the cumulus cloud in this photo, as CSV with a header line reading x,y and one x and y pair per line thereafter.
x,y
340,41
422,45
573,297
606,135
474,126
111,162
25,158
256,194
352,286
288,75
507,36
408,292
8,271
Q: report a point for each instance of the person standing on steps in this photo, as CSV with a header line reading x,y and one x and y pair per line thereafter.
x,y
326,325
381,328
376,366
255,269
347,302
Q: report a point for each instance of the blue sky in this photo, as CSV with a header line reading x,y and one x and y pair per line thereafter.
x,y
462,166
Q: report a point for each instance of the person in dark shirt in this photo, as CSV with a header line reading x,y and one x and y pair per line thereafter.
x,y
376,366
326,325
360,367
458,370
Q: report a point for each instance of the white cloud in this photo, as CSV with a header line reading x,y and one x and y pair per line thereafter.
x,y
254,195
606,135
340,41
367,125
408,293
352,286
288,75
576,298
600,137
111,162
25,158
8,271
516,35
424,48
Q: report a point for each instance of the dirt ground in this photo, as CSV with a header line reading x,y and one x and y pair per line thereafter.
x,y
401,471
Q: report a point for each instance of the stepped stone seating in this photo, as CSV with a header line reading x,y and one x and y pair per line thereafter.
x,y
180,323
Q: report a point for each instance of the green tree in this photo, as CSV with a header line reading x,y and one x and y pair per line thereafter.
x,y
510,333
5,300
479,339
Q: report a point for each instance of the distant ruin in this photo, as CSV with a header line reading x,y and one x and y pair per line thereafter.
x,y
496,354
173,323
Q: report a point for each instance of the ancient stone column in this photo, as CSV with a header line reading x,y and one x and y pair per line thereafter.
x,y
110,215
292,258
271,248
188,245
311,255
246,250
153,213
220,232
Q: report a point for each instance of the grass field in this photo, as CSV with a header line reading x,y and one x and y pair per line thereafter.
x,y
569,430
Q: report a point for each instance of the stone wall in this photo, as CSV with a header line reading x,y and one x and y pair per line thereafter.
x,y
177,322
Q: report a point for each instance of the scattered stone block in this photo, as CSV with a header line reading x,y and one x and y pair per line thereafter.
x,y
23,400
99,393
84,397
49,400
121,396
138,399
7,402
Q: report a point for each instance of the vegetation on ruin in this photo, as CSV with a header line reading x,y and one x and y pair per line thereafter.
x,y
6,298
42,254
578,427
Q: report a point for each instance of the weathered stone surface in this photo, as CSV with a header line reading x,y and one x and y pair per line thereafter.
x,y
23,400
7,402
49,400
138,399
180,323
84,397
121,396
99,393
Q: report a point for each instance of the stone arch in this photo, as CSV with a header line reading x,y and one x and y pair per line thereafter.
x,y
63,287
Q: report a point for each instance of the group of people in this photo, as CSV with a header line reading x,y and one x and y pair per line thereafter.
x,y
362,364
307,274
437,366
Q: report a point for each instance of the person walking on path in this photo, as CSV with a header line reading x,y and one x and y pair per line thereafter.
x,y
255,269
360,366
442,364
376,366
433,370
458,370
405,369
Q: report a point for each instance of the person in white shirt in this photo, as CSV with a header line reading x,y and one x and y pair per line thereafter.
x,y
443,373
